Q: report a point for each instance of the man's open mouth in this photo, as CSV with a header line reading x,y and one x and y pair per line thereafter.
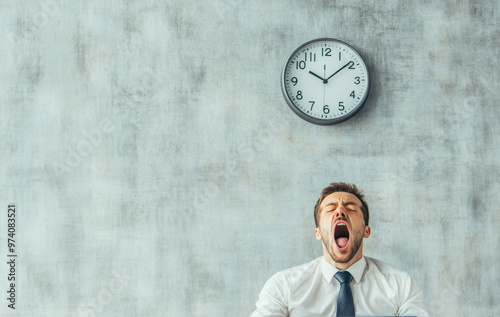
x,y
341,235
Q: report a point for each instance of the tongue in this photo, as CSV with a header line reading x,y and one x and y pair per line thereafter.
x,y
342,242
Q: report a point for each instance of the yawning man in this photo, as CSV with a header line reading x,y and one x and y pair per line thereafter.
x,y
342,282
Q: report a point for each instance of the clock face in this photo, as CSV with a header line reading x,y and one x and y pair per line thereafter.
x,y
325,81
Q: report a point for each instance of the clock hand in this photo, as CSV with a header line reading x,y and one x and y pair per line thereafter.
x,y
310,72
324,86
338,71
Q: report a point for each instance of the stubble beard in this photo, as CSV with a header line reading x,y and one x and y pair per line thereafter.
x,y
353,248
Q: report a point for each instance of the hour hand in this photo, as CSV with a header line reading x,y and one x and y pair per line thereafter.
x,y
310,72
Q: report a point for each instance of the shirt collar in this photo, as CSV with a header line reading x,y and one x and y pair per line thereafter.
x,y
356,270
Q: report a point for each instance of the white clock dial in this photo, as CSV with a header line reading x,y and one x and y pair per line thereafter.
x,y
325,81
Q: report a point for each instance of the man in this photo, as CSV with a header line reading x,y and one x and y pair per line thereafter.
x,y
342,282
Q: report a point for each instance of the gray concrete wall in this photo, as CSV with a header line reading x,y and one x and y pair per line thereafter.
x,y
157,170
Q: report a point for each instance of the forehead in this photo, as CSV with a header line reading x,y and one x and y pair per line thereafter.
x,y
335,198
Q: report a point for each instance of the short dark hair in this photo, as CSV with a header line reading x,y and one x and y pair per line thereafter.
x,y
341,187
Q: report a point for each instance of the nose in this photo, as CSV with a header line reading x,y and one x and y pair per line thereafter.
x,y
340,212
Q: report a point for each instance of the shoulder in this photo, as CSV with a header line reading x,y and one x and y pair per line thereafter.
x,y
391,281
277,289
294,274
396,285
380,267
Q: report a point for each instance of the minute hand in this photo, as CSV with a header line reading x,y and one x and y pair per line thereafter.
x,y
338,70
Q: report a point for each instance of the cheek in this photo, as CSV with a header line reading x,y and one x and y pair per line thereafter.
x,y
361,223
326,219
327,224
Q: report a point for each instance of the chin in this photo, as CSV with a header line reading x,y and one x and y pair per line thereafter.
x,y
343,258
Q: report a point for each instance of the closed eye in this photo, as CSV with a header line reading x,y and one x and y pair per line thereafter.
x,y
351,206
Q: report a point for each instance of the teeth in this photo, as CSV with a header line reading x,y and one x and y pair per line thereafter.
x,y
341,224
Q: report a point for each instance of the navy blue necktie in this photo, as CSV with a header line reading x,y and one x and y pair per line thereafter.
x,y
345,304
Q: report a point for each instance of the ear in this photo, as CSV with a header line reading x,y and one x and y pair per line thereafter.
x,y
368,231
317,233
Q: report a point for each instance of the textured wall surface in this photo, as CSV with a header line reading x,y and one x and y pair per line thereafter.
x,y
157,170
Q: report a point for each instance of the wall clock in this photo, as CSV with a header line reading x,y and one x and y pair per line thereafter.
x,y
325,81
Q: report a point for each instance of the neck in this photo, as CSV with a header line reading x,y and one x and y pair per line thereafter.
x,y
343,265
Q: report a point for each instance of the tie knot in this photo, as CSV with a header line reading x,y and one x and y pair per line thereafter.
x,y
343,277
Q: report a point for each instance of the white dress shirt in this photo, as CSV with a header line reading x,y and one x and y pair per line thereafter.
x,y
312,290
